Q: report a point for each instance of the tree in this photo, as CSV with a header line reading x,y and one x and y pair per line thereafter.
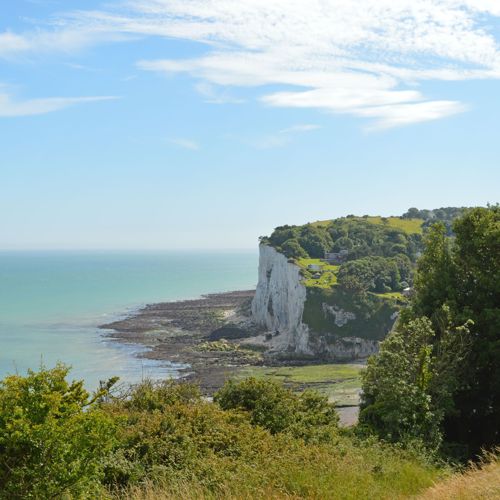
x,y
408,387
315,241
457,291
475,295
292,249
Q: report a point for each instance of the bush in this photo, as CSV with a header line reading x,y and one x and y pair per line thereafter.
x,y
308,416
58,442
53,437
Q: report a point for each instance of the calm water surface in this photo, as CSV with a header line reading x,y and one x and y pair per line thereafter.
x,y
52,302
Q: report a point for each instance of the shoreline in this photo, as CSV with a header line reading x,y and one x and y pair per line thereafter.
x,y
213,336
173,331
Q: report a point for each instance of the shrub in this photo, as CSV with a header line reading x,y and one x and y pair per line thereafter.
x,y
53,437
277,409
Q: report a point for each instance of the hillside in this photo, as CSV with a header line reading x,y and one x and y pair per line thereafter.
x,y
353,275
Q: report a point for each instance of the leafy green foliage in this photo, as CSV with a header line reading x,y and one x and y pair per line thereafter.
x,y
375,274
465,277
58,442
53,437
446,215
364,238
292,249
373,313
407,386
308,415
454,320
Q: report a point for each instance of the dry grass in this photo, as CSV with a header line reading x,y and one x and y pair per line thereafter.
x,y
478,483
189,491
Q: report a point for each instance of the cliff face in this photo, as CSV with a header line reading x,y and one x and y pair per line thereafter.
x,y
279,304
279,301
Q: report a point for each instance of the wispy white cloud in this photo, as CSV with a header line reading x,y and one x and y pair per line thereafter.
x,y
362,57
184,143
282,137
10,107
216,95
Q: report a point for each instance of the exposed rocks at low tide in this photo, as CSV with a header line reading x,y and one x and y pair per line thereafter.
x,y
173,331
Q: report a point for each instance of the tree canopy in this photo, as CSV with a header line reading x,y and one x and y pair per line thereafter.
x,y
455,320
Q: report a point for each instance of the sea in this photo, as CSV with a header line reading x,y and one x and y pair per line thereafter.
x,y
52,302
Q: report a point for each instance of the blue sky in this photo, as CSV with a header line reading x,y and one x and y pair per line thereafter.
x,y
204,124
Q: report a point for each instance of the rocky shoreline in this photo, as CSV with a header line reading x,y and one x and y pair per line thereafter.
x,y
189,331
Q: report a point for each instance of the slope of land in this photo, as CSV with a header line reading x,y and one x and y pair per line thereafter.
x,y
332,289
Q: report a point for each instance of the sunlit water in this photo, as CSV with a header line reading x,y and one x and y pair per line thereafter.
x,y
52,302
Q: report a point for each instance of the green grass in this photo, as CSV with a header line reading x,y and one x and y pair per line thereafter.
x,y
373,314
328,273
321,223
390,295
340,382
410,226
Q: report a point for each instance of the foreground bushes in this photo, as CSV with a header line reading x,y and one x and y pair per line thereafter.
x,y
53,437
258,440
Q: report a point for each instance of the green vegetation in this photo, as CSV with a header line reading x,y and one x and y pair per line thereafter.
x,y
371,314
446,215
327,275
375,274
341,383
408,225
437,377
258,440
54,437
361,236
372,262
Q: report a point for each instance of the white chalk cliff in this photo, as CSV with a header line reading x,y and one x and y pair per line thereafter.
x,y
278,306
279,301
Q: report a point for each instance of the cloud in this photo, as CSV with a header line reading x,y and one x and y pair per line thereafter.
x,y
10,107
365,57
283,137
184,143
214,95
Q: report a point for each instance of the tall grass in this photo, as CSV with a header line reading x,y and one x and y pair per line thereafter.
x,y
479,482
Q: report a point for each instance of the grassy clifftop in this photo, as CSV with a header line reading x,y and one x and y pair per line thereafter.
x,y
408,225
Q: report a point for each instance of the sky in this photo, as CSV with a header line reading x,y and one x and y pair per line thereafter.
x,y
203,124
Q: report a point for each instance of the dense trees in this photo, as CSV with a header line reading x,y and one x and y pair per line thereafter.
x,y
375,274
301,241
359,236
363,239
455,320
446,215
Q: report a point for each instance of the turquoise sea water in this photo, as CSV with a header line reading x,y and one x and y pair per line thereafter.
x,y
52,302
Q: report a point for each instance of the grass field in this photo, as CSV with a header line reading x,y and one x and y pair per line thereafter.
x,y
410,226
340,382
